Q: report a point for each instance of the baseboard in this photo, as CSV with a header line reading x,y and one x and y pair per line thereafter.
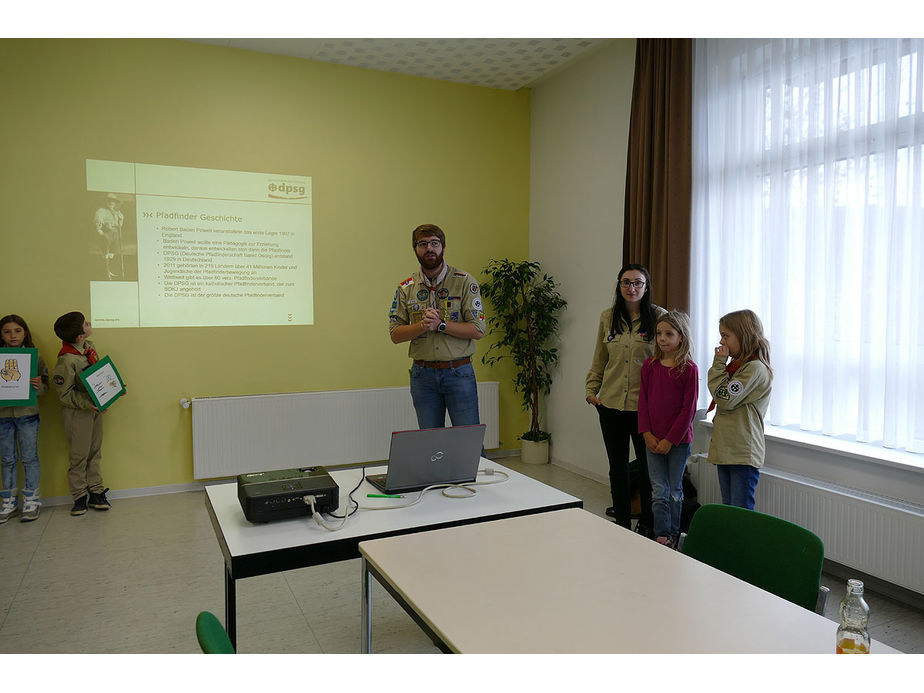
x,y
500,454
49,501
138,492
599,478
909,598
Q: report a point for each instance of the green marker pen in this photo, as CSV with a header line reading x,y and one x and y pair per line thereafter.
x,y
382,495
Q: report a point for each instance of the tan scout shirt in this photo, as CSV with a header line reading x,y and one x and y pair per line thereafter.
x,y
458,299
71,390
741,402
19,412
615,373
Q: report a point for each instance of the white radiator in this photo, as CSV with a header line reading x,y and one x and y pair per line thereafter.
x,y
875,535
257,433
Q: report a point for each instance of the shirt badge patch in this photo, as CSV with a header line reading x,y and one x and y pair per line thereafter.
x,y
458,274
474,288
422,295
442,293
722,392
480,315
59,380
735,388
407,282
476,304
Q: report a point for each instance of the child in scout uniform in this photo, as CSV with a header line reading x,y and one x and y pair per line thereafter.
x,y
83,422
19,432
741,394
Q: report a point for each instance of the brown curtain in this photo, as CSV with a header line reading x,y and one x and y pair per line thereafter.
x,y
659,168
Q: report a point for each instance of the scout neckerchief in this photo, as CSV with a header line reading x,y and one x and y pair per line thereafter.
x,y
90,353
433,284
731,369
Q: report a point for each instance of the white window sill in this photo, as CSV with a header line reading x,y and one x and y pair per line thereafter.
x,y
874,454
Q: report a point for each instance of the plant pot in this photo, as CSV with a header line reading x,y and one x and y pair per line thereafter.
x,y
534,452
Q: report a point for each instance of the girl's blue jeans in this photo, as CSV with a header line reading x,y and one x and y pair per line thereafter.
x,y
19,441
666,474
738,482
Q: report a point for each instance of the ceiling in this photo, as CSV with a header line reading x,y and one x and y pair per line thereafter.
x,y
499,63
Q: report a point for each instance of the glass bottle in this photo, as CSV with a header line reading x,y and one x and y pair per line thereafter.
x,y
852,636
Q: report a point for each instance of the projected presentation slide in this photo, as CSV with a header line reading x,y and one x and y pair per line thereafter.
x,y
184,247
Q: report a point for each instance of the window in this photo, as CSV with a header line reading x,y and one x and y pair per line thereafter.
x,y
808,208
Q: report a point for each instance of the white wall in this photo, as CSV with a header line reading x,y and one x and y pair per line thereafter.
x,y
579,133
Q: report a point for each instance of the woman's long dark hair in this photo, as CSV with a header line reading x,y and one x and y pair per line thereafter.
x,y
621,313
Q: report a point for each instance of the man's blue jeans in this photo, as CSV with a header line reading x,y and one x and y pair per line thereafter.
x,y
19,440
666,473
737,482
438,390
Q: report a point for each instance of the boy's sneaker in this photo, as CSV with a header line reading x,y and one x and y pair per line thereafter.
x,y
98,500
8,507
80,506
31,507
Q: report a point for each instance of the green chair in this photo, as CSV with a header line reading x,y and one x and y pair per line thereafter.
x,y
213,639
770,553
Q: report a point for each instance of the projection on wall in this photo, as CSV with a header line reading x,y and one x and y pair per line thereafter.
x,y
182,247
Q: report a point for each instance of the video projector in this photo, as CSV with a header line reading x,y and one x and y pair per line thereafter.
x,y
279,495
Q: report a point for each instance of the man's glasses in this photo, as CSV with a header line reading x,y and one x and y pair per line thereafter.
x,y
422,245
637,284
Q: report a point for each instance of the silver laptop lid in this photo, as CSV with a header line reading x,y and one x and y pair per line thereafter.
x,y
418,459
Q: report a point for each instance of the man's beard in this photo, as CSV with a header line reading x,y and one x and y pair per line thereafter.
x,y
431,263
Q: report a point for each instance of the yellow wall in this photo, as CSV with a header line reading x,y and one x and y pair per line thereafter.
x,y
385,153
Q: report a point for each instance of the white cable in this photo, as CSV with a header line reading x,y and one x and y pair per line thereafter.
x,y
466,488
310,500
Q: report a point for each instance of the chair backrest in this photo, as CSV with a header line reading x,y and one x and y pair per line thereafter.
x,y
212,636
766,551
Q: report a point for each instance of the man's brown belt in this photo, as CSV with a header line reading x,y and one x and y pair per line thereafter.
x,y
443,364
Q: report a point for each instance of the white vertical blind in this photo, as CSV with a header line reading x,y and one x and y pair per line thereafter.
x,y
808,208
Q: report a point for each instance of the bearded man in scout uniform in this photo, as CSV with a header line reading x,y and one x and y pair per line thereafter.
x,y
438,310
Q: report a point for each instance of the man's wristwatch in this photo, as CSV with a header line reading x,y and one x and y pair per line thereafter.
x,y
442,327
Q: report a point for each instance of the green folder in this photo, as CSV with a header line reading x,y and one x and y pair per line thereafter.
x,y
103,383
17,367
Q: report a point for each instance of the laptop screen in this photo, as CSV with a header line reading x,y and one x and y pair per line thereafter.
x,y
429,456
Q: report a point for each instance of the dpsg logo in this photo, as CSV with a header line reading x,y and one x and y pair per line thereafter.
x,y
286,190
437,456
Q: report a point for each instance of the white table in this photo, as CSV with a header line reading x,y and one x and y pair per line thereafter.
x,y
572,582
257,549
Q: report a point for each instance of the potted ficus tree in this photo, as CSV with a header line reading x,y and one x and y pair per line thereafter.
x,y
526,305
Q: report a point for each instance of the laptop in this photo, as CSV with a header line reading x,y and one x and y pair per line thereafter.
x,y
417,459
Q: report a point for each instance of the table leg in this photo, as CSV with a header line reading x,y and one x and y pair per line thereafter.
x,y
231,608
366,609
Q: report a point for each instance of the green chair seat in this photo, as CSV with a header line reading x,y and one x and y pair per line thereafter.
x,y
212,636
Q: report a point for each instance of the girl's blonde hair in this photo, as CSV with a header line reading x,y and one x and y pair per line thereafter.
x,y
749,330
680,321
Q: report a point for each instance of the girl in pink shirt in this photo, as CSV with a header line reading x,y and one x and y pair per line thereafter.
x,y
666,405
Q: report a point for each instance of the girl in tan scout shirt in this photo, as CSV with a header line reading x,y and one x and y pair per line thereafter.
x,y
624,340
741,393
